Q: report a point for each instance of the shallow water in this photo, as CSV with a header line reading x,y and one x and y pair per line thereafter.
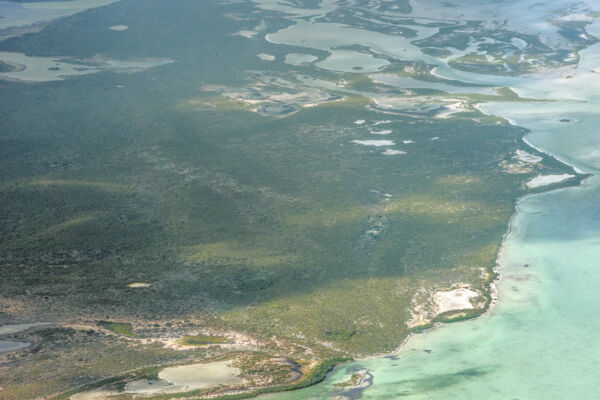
x,y
540,340
7,345
352,61
45,69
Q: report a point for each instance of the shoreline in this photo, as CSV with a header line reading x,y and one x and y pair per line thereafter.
x,y
496,269
527,142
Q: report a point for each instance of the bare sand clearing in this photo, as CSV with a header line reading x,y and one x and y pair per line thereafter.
x,y
456,299
390,152
300,59
139,285
427,304
246,34
543,180
526,157
453,108
266,57
383,132
523,163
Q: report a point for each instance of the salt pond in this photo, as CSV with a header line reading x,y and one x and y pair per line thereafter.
x,y
8,345
183,378
45,69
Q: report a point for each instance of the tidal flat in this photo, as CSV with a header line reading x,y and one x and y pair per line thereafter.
x,y
243,192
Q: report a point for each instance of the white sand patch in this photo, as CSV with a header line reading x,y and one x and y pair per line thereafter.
x,y
524,163
139,285
456,299
246,34
359,122
518,43
251,34
543,180
516,168
428,304
375,143
119,28
452,108
383,132
391,152
526,157
266,57
571,57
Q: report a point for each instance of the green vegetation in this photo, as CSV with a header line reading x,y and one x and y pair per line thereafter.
x,y
354,379
202,340
281,229
340,334
316,375
121,328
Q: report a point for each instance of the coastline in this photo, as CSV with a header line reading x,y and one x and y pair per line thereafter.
x,y
492,294
497,267
527,142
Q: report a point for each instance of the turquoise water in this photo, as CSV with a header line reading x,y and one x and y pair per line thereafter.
x,y
540,341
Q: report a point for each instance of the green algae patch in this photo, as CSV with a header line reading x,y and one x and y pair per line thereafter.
x,y
203,340
353,381
317,374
